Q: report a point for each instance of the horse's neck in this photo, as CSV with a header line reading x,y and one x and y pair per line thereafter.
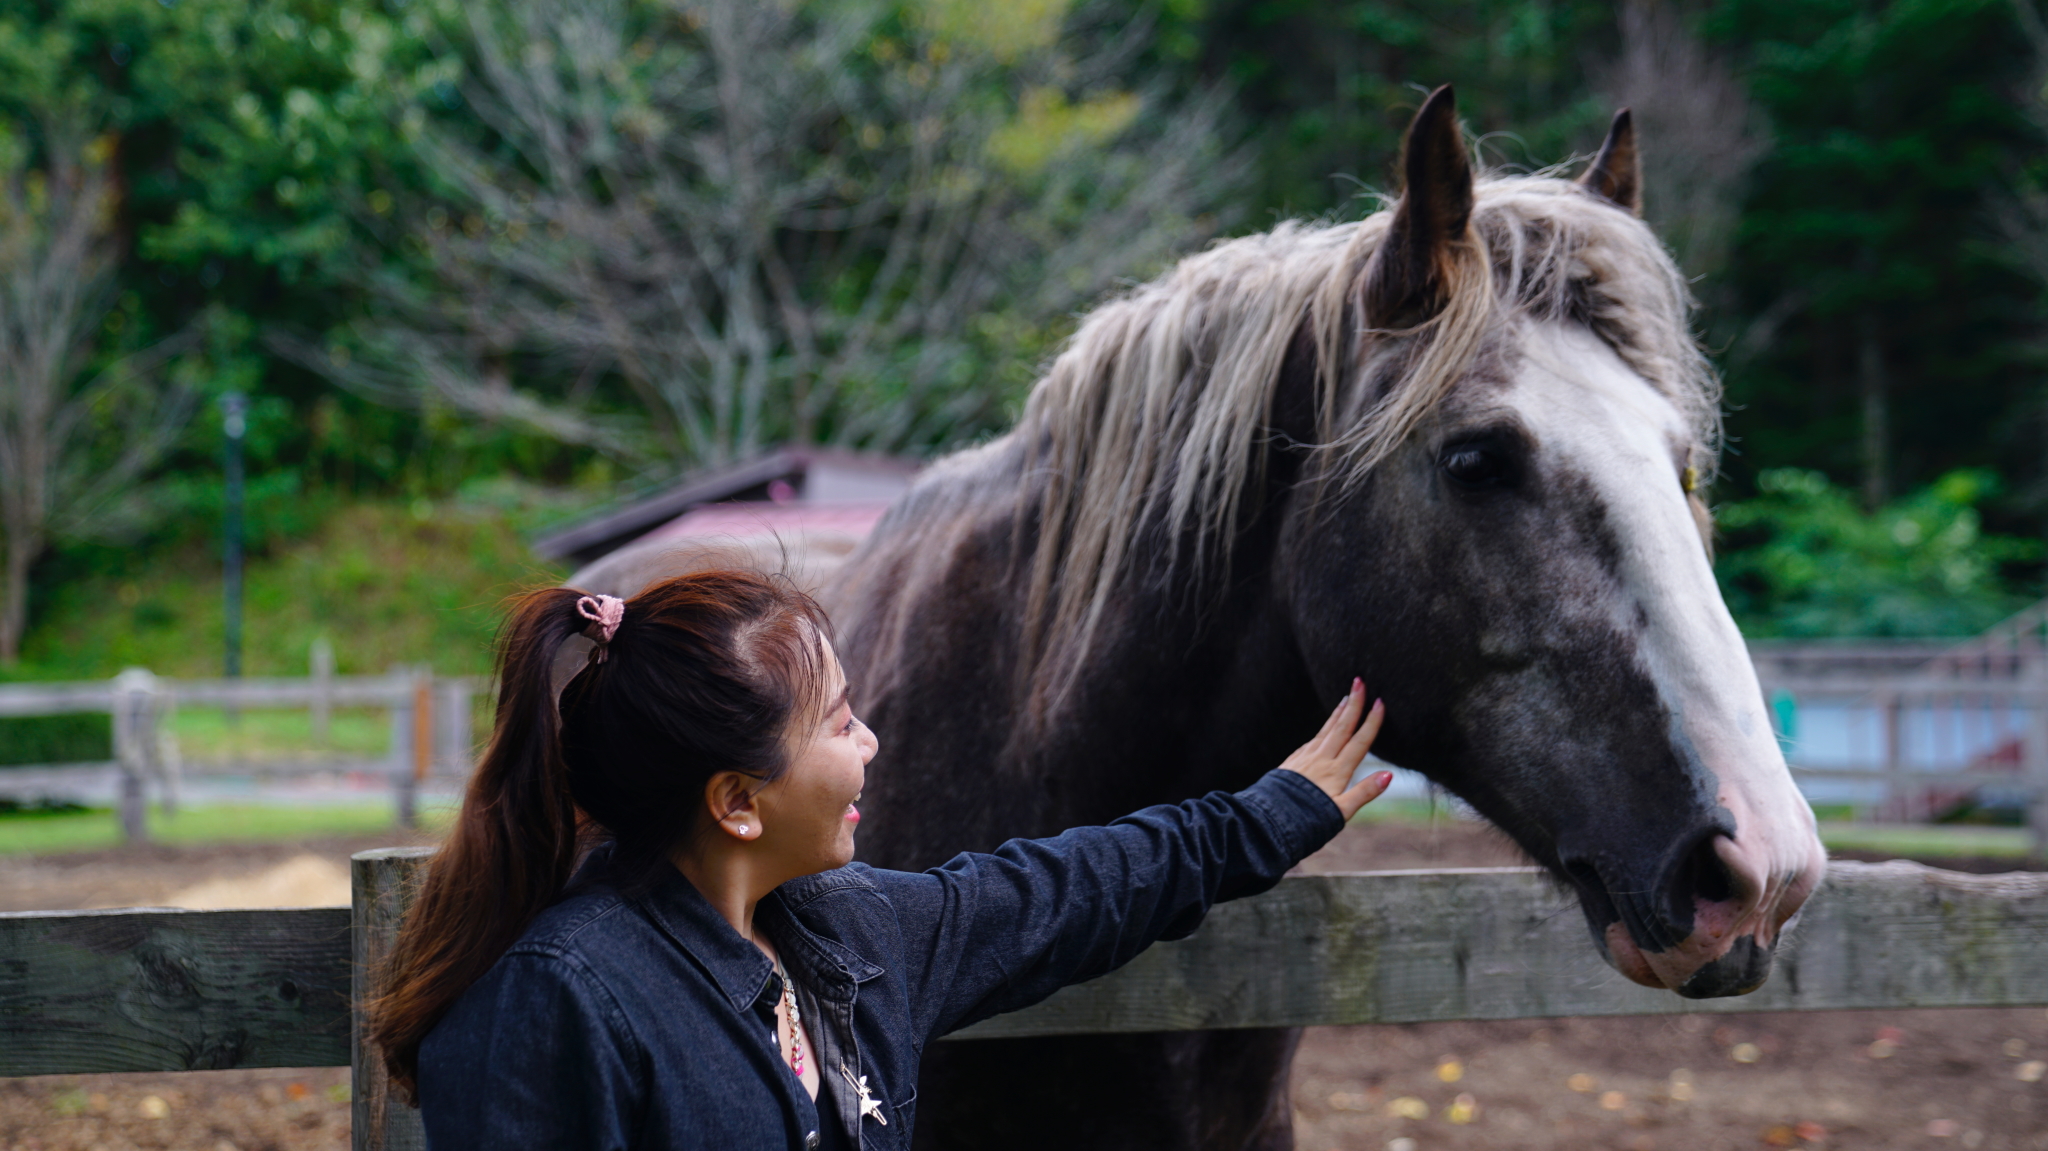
x,y
1180,695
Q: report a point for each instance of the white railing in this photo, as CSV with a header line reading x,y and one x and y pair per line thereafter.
x,y
429,717
1907,731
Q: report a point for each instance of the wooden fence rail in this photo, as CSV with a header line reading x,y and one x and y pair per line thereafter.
x,y
166,990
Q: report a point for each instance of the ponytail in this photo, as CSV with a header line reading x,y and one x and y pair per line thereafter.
x,y
698,675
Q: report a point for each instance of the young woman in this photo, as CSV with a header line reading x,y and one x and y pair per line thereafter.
x,y
716,973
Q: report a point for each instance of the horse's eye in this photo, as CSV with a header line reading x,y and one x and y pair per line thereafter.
x,y
1475,465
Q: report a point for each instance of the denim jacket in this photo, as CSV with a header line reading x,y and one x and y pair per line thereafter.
x,y
647,1021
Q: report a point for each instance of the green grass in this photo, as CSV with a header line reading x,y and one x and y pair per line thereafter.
x,y
1410,811
1998,842
387,584
206,734
33,833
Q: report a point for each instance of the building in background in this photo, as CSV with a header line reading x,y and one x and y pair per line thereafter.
x,y
784,493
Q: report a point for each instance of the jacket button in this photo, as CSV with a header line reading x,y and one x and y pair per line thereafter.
x,y
811,1141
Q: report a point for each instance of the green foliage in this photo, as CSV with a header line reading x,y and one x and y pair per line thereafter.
x,y
80,738
274,191
413,583
1804,559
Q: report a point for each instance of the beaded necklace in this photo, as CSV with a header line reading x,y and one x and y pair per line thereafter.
x,y
796,1031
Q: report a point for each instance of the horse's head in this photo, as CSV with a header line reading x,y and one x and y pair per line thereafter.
x,y
1514,552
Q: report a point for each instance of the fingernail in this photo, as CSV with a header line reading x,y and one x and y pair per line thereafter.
x,y
1357,684
1385,777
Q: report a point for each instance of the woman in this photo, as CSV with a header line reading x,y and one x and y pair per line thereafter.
x,y
717,973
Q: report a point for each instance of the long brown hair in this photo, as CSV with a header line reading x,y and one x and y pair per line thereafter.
x,y
705,674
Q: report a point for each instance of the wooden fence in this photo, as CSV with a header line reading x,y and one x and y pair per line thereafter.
x,y
163,990
430,725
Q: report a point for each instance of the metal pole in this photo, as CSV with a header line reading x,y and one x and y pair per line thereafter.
x,y
234,405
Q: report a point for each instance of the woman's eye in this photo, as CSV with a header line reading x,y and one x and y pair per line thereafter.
x,y
848,727
1474,465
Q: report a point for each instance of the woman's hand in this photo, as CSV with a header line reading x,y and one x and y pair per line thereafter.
x,y
1329,759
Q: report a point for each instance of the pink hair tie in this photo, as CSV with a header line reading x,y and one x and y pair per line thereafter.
x,y
606,612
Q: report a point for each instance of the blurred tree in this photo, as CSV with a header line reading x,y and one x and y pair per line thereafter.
x,y
1700,134
1879,335
1332,85
77,424
1804,559
674,233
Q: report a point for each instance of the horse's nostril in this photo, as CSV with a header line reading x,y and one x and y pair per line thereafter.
x,y
1701,876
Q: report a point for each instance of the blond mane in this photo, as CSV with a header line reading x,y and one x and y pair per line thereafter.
x,y
1152,412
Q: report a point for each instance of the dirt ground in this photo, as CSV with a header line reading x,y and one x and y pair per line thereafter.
x,y
1864,1080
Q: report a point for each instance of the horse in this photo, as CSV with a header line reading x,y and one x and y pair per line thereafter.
x,y
1457,448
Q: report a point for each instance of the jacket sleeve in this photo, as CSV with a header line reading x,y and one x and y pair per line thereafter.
x,y
986,934
536,1054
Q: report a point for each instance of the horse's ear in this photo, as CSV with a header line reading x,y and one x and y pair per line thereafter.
x,y
1407,280
1617,173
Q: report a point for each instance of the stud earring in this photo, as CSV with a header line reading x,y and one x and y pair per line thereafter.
x,y
743,829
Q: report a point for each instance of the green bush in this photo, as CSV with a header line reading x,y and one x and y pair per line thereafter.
x,y
1805,559
82,738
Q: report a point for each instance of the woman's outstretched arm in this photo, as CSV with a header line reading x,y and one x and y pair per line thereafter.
x,y
989,933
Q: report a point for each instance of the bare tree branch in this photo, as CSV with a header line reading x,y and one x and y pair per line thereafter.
x,y
72,441
772,220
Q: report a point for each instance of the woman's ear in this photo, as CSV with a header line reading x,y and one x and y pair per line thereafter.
x,y
729,800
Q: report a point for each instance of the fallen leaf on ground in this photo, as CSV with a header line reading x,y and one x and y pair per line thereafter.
x,y
1407,1107
1464,1109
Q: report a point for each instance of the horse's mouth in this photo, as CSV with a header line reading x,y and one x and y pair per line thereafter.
x,y
1740,969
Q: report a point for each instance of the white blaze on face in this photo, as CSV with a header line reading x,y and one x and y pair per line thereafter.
x,y
1592,415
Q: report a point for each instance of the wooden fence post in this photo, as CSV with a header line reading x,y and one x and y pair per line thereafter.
x,y
384,882
135,746
2034,764
1898,793
404,734
422,726
452,725
323,689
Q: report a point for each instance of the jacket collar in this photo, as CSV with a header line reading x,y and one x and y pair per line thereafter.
x,y
681,912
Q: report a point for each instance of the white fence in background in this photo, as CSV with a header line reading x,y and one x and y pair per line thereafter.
x,y
1908,732
429,718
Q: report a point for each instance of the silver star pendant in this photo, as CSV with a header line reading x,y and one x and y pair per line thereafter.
x,y
869,1105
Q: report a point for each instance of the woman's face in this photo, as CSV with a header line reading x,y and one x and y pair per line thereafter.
x,y
808,814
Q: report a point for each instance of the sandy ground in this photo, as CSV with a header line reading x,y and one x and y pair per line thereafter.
x,y
1876,1080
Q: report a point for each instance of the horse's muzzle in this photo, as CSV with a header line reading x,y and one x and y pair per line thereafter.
x,y
1708,926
